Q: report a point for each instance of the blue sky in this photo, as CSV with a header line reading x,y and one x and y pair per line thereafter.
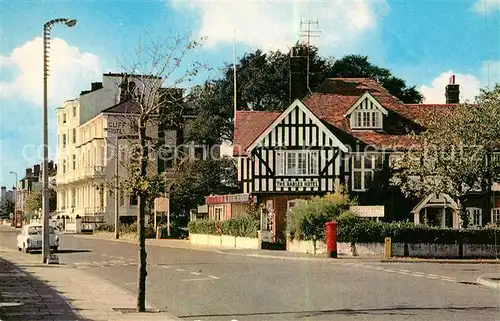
x,y
423,42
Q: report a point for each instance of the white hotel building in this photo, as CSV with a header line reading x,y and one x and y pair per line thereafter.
x,y
86,150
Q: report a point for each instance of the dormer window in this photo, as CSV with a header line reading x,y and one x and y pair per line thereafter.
x,y
366,113
366,119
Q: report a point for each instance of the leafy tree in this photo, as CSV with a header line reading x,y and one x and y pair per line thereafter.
x,y
263,83
149,95
7,206
199,178
454,155
34,201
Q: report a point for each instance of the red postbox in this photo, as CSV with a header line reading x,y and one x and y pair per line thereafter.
x,y
331,239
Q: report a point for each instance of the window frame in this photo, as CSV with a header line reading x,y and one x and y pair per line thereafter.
x,y
362,169
495,212
372,122
472,211
311,161
220,216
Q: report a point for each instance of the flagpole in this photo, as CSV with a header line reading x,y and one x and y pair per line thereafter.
x,y
234,72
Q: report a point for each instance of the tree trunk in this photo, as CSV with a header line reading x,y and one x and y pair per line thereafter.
x,y
464,215
141,228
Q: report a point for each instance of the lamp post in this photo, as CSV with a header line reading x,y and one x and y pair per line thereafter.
x,y
45,195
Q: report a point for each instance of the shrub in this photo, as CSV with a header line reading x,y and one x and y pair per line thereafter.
x,y
243,226
309,217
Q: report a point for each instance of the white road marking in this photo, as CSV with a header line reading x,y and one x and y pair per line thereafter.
x,y
165,267
419,275
213,277
433,275
196,273
199,279
180,270
404,270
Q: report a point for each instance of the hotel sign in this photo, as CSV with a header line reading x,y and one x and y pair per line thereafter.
x,y
368,211
302,183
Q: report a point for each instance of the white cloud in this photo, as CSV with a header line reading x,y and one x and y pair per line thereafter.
x,y
271,25
69,71
470,84
485,7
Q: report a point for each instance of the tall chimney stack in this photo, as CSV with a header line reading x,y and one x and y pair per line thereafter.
x,y
452,92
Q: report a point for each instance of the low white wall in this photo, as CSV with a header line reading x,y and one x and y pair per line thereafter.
x,y
422,250
224,241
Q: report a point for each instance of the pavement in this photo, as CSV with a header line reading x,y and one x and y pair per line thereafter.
x,y
490,280
31,290
243,285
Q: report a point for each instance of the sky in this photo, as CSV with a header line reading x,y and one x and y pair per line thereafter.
x,y
424,42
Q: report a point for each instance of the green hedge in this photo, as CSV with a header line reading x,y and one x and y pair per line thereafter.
x,y
356,230
243,226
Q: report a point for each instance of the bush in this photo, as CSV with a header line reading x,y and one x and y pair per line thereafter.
x,y
353,229
242,226
309,217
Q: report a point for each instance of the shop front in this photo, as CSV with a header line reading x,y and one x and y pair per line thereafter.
x,y
225,207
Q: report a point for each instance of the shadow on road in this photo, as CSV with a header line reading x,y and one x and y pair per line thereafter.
x,y
24,297
72,251
65,251
376,311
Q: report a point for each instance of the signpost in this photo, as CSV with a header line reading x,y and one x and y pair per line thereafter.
x,y
162,205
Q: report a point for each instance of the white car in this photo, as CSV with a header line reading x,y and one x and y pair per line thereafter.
x,y
31,237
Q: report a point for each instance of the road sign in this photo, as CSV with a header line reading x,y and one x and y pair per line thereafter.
x,y
162,204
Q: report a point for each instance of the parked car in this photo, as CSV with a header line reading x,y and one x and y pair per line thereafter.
x,y
31,237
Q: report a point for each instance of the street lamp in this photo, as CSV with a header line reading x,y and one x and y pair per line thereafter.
x,y
45,199
15,196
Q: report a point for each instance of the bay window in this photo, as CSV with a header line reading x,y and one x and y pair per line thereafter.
x,y
297,163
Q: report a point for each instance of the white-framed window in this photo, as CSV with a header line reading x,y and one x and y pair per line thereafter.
x,y
363,170
74,135
74,111
64,118
64,141
74,162
297,163
219,213
495,215
475,216
64,166
366,119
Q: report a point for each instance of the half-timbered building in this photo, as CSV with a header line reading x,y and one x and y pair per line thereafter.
x,y
343,133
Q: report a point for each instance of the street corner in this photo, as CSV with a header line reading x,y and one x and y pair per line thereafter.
x,y
490,281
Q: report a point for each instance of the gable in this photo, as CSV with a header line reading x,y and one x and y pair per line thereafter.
x,y
301,124
366,102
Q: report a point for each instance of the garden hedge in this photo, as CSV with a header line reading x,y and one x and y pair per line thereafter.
x,y
356,230
242,226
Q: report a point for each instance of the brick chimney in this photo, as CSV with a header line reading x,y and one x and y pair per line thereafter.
x,y
452,91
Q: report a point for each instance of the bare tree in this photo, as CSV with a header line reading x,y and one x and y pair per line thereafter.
x,y
151,98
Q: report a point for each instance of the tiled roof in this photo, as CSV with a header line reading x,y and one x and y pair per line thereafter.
x,y
248,126
330,103
126,107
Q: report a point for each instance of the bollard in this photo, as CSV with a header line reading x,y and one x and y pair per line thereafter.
x,y
388,247
331,239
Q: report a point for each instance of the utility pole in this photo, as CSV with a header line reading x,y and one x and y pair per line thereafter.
x,y
308,34
117,205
